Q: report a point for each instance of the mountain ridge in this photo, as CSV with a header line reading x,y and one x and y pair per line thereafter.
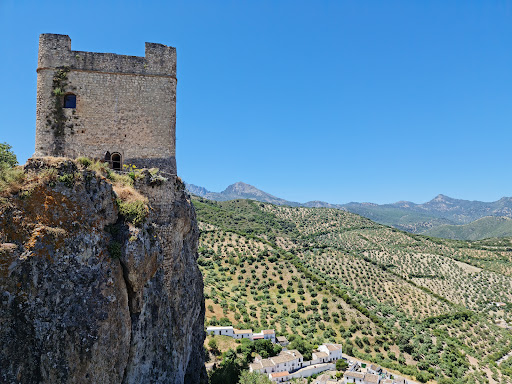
x,y
412,217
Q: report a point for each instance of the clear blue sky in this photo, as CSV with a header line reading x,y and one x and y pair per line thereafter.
x,y
338,101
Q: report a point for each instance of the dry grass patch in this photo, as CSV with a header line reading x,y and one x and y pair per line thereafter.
x,y
11,180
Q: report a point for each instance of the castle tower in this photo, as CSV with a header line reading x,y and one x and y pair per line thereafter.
x,y
116,108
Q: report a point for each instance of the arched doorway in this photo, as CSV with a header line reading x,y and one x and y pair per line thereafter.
x,y
116,161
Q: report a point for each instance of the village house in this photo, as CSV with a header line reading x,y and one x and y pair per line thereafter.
x,y
224,331
375,369
287,360
264,366
280,377
353,377
266,334
370,378
293,363
334,351
320,357
322,379
282,341
242,333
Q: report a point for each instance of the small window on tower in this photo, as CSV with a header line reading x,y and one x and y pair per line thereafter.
x,y
70,101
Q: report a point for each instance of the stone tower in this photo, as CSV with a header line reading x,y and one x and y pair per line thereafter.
x,y
116,108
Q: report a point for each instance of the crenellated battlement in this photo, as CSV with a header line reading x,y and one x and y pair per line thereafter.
x,y
115,108
55,51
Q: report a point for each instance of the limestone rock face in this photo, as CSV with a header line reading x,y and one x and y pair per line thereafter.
x,y
87,297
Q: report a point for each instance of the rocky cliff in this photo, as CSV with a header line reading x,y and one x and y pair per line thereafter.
x,y
98,278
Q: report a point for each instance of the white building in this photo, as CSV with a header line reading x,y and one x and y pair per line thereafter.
x,y
263,366
375,369
370,378
292,362
266,334
224,331
283,341
320,357
313,369
279,377
243,333
287,361
353,377
269,334
333,350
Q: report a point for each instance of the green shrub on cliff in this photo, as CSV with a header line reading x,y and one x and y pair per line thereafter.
x,y
133,211
85,161
11,176
11,179
132,205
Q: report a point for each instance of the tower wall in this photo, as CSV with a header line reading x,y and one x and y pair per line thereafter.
x,y
124,104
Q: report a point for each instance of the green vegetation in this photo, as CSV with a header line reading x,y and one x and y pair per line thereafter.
x,y
234,364
253,378
479,229
133,211
401,218
84,161
11,177
132,205
58,121
68,179
419,305
341,365
7,157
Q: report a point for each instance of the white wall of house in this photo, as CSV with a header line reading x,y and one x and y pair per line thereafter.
x,y
333,355
242,335
288,365
271,337
353,380
281,379
224,331
313,370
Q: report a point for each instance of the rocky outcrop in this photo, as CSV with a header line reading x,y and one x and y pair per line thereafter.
x,y
88,297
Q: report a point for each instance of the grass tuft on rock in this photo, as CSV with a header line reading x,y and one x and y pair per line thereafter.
x,y
11,179
134,212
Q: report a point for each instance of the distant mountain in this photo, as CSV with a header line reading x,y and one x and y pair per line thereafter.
x,y
405,215
477,230
239,190
442,210
398,215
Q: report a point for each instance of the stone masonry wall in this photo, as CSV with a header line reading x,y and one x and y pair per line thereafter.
x,y
125,104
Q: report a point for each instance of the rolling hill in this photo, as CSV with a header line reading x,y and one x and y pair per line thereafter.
x,y
424,306
479,229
